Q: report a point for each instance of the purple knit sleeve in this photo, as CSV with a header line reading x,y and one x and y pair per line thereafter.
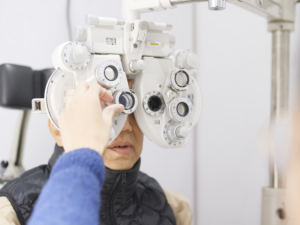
x,y
72,193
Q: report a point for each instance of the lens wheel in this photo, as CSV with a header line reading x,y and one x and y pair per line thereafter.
x,y
154,103
181,109
109,73
166,136
180,79
125,92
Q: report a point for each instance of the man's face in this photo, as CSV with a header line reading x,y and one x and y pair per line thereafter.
x,y
124,151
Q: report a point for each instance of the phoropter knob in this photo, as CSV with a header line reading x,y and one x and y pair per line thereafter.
x,y
79,33
192,61
176,133
79,54
76,55
186,59
137,65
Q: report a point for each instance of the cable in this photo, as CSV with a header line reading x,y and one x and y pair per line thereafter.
x,y
68,19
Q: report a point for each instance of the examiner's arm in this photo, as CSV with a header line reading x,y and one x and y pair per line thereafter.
x,y
72,194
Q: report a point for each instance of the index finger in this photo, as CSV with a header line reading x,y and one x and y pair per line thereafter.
x,y
81,88
101,92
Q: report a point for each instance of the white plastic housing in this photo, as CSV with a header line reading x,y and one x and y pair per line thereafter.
x,y
127,41
156,77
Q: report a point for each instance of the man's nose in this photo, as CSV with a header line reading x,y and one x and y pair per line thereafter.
x,y
127,127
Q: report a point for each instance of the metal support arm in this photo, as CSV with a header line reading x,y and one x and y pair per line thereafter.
x,y
276,11
180,2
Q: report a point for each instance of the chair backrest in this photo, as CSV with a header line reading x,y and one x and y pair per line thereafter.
x,y
20,84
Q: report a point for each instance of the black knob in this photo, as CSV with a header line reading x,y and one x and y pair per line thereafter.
x,y
4,164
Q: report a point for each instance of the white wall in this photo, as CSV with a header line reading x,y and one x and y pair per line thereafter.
x,y
235,51
235,77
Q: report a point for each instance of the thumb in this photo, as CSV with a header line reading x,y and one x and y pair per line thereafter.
x,y
109,112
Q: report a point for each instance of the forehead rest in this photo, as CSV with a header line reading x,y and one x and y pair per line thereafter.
x,y
20,84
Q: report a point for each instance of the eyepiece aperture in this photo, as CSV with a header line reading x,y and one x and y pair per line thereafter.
x,y
182,78
154,103
127,98
182,109
111,73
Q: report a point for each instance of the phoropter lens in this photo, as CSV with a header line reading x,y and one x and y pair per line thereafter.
x,y
111,73
127,100
181,78
154,103
182,109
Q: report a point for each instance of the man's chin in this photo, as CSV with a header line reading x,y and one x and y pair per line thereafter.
x,y
117,161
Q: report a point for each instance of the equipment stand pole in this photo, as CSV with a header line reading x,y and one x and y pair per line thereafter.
x,y
273,206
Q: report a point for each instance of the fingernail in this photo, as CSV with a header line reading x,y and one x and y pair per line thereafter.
x,y
119,109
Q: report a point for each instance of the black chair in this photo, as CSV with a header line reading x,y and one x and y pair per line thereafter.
x,y
18,86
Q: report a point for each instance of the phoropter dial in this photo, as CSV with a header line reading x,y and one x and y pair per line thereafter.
x,y
127,98
154,103
137,65
174,133
177,132
180,79
181,109
109,73
187,59
76,55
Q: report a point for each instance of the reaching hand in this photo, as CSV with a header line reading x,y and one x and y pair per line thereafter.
x,y
83,123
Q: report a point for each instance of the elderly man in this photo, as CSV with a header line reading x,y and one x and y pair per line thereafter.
x,y
128,196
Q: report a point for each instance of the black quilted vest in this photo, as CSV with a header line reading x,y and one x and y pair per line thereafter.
x,y
127,197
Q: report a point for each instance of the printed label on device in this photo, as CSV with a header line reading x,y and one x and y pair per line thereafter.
x,y
154,44
111,41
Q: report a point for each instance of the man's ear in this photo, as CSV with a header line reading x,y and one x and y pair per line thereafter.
x,y
55,133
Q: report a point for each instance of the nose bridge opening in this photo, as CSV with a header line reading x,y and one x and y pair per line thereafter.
x,y
127,126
